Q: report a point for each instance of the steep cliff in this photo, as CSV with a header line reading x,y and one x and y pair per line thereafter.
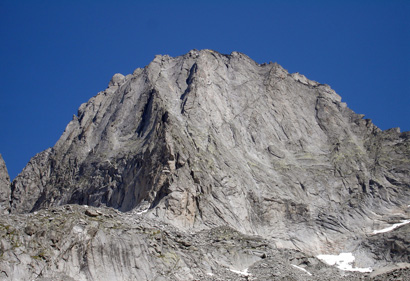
x,y
4,187
206,140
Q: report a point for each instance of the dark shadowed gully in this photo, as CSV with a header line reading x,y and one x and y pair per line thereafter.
x,y
211,167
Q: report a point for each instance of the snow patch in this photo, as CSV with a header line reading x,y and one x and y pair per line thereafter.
x,y
390,228
210,274
301,268
144,211
343,261
244,272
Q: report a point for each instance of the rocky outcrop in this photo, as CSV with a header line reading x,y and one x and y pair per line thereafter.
x,y
392,246
66,243
206,140
75,242
4,187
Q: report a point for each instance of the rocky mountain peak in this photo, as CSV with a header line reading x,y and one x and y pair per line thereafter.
x,y
206,140
116,80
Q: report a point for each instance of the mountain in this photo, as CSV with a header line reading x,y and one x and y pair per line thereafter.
x,y
187,164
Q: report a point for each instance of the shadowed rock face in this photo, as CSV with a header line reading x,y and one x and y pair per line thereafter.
x,y
206,140
4,187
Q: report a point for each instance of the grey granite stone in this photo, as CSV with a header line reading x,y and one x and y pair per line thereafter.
x,y
204,143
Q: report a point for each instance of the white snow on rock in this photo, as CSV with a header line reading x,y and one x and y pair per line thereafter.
x,y
301,268
244,272
343,261
390,228
144,211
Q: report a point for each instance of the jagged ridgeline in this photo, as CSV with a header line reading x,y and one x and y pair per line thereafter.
x,y
206,140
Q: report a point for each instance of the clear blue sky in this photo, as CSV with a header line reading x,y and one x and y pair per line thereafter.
x,y
56,55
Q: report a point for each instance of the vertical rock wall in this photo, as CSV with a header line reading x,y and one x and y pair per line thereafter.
x,y
4,187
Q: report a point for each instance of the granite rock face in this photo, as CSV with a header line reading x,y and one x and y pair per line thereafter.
x,y
205,140
64,243
4,187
